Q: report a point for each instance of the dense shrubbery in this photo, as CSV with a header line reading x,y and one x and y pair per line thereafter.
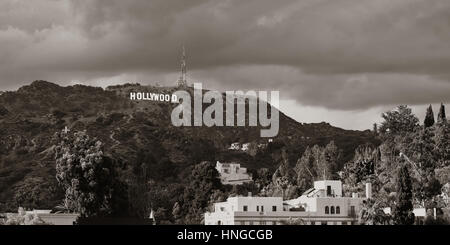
x,y
158,164
88,177
37,192
423,150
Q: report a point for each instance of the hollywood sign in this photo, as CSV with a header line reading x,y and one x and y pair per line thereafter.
x,y
213,114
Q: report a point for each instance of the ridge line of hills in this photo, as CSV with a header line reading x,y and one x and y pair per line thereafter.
x,y
30,116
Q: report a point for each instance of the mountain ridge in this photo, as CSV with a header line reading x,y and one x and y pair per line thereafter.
x,y
30,116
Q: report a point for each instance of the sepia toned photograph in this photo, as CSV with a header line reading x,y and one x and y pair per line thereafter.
x,y
188,114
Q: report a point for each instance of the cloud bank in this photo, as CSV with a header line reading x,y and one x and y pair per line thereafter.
x,y
336,55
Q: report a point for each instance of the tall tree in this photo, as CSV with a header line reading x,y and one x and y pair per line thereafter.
x,y
87,175
332,157
429,117
305,169
284,170
139,187
442,145
203,181
317,163
262,177
403,210
284,177
419,147
375,128
441,115
362,166
400,120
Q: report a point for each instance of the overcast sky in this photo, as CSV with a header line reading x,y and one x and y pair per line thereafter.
x,y
340,61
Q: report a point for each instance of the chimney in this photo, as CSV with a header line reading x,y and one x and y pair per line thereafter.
x,y
368,190
250,194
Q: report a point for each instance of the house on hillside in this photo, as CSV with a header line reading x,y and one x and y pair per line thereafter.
x,y
232,173
235,146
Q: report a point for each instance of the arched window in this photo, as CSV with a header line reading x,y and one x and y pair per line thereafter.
x,y
338,210
327,210
332,209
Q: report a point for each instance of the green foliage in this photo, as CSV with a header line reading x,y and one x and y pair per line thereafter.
x,y
403,210
362,166
262,177
221,196
442,144
203,181
88,177
305,168
201,150
317,163
36,192
125,128
162,216
399,121
375,128
139,187
3,110
441,119
427,188
177,213
425,150
371,213
332,157
164,196
283,181
429,118
244,189
420,149
437,221
443,174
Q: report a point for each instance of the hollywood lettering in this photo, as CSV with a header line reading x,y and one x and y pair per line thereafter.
x,y
153,97
213,114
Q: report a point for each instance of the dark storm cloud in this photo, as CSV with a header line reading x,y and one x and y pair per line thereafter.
x,y
339,54
333,91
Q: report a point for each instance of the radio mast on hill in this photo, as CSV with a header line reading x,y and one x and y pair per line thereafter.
x,y
182,80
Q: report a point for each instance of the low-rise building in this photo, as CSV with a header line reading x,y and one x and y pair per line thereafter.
x,y
48,217
58,218
321,205
232,173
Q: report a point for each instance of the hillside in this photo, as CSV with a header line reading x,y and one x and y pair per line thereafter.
x,y
30,116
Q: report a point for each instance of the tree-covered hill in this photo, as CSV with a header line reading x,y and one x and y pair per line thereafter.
x,y
133,133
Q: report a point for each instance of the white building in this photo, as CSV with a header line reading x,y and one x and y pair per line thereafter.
x,y
51,218
321,205
232,173
235,146
58,219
